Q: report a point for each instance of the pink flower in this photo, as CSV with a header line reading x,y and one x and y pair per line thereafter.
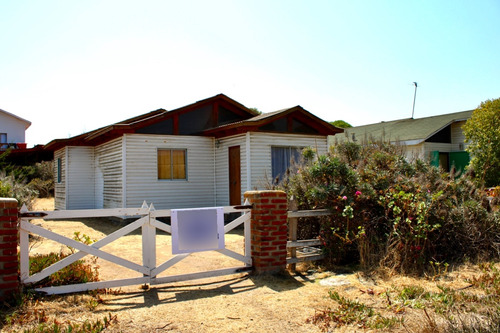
x,y
344,198
358,193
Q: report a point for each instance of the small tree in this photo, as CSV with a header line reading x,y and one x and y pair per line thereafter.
x,y
482,132
340,124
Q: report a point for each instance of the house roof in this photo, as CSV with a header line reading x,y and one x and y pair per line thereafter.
x,y
297,113
241,119
130,125
410,130
291,120
26,122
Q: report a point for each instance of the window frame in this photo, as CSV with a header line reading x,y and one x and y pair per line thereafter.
x,y
184,150
290,148
59,170
4,144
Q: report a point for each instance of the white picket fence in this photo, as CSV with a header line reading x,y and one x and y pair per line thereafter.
x,y
147,221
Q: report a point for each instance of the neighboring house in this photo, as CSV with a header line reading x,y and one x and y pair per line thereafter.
x,y
204,154
12,130
438,138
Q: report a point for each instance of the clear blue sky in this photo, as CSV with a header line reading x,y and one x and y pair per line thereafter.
x,y
74,66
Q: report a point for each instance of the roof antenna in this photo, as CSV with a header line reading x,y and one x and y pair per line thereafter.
x,y
414,97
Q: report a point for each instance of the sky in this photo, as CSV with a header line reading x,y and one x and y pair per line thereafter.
x,y
74,66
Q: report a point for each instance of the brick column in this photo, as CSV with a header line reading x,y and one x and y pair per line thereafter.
x,y
269,230
9,263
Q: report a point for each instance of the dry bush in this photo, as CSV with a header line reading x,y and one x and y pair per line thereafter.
x,y
394,213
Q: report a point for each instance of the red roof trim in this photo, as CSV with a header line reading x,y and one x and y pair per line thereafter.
x,y
253,123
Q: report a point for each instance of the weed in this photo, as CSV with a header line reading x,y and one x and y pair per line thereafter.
x,y
77,272
412,296
489,280
351,312
438,270
87,326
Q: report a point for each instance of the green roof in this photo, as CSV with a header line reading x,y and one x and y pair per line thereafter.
x,y
413,130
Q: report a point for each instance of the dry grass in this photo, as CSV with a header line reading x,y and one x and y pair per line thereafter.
x,y
226,304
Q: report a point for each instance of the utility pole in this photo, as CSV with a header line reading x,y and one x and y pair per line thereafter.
x,y
414,97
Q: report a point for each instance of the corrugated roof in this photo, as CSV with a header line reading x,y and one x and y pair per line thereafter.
x,y
405,129
129,125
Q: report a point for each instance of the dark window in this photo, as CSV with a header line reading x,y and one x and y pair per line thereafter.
x,y
59,170
226,116
279,125
300,127
163,127
3,141
443,136
195,121
282,159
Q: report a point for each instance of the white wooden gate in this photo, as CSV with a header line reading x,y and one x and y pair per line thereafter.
x,y
147,221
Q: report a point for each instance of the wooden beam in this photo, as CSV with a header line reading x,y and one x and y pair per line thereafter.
x,y
309,213
176,124
215,114
313,257
303,243
292,231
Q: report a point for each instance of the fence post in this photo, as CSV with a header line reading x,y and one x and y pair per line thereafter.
x,y
268,230
292,231
149,242
9,263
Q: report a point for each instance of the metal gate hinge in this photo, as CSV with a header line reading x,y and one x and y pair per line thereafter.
x,y
32,214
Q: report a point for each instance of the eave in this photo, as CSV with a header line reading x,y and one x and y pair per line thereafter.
x,y
253,124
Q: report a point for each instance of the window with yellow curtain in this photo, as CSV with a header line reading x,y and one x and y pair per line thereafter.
x,y
171,164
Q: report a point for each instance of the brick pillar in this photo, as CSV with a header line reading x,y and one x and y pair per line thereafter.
x,y
269,230
9,263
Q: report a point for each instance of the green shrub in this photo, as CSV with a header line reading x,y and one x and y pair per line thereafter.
x,y
77,272
391,212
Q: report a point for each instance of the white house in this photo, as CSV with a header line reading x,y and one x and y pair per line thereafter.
x,y
204,154
438,138
12,130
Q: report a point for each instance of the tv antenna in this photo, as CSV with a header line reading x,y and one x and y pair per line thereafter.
x,y
414,97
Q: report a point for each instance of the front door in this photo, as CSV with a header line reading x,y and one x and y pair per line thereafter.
x,y
234,176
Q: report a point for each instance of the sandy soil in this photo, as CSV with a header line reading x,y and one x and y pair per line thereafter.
x,y
240,302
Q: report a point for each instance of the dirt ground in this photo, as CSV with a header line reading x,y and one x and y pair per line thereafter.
x,y
240,302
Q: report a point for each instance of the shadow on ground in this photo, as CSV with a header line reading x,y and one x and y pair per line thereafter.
x,y
181,292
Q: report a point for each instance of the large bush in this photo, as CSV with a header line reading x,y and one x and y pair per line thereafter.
x,y
10,187
482,132
391,212
25,183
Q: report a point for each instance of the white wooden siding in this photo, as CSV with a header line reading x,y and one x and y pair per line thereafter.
x,y
14,127
142,183
80,178
259,158
414,152
457,136
442,147
60,188
260,152
108,190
